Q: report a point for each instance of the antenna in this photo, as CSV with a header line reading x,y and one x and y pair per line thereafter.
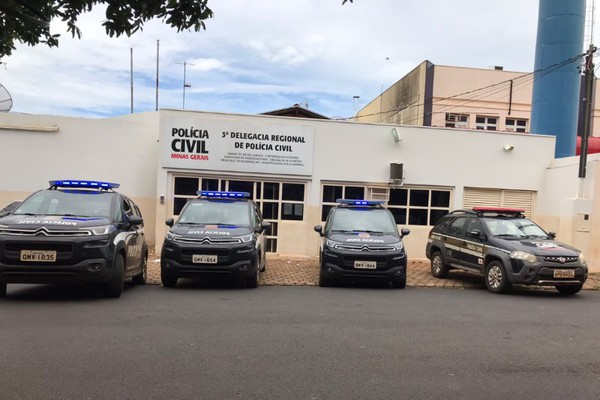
x,y
6,101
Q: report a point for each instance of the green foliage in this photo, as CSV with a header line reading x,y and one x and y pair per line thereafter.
x,y
28,21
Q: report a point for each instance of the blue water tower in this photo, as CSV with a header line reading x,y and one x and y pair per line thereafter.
x,y
555,101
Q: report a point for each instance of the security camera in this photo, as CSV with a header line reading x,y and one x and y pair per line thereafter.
x,y
509,147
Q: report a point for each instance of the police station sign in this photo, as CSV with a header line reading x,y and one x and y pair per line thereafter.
x,y
223,145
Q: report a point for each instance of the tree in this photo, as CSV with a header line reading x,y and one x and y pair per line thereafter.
x,y
28,21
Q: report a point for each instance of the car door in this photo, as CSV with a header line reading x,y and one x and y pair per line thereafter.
x,y
132,237
453,238
473,246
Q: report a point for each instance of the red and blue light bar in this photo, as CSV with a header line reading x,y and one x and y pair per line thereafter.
x,y
223,195
351,202
84,184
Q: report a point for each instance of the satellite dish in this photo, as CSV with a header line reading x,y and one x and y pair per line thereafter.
x,y
6,102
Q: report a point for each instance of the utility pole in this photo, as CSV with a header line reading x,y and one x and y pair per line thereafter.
x,y
131,69
588,73
185,84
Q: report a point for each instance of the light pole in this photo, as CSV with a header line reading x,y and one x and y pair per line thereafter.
x,y
354,106
185,85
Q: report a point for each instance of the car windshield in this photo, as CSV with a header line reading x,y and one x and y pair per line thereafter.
x,y
362,220
514,228
67,203
216,212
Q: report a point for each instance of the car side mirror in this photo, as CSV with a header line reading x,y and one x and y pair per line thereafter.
x,y
170,222
319,229
263,226
135,220
552,235
404,232
477,234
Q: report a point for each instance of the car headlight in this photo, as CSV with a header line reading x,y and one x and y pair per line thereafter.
x,y
100,230
523,255
331,243
246,238
398,246
582,259
172,236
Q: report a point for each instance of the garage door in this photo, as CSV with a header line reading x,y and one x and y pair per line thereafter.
x,y
500,198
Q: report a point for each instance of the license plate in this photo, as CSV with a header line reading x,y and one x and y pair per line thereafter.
x,y
564,273
203,259
38,255
365,264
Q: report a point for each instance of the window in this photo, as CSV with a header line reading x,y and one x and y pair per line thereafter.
x,y
293,207
457,120
516,125
486,123
456,227
418,206
333,192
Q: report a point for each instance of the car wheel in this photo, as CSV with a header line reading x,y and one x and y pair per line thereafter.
x,y
439,269
324,282
569,290
252,282
141,278
496,280
2,290
114,287
401,284
168,280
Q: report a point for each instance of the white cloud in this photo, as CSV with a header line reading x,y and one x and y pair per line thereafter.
x,y
266,54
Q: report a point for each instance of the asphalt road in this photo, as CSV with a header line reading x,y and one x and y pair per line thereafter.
x,y
200,342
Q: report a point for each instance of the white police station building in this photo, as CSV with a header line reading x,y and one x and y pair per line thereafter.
x,y
296,168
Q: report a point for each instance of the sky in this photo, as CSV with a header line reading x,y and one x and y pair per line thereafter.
x,y
263,55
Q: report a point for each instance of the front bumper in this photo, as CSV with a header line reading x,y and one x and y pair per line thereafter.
x,y
236,262
542,273
390,265
78,260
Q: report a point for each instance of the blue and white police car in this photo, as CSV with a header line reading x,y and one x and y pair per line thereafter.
x,y
217,235
74,232
361,240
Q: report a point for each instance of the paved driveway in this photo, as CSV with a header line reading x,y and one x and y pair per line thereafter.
x,y
304,271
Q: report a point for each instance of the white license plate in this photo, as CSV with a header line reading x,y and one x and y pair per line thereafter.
x,y
365,264
38,255
564,273
203,259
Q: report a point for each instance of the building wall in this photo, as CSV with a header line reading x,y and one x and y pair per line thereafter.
x,y
35,149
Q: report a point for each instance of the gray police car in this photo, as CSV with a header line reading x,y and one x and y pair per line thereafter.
x,y
506,248
361,240
217,235
74,232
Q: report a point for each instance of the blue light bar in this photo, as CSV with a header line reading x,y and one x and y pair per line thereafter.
x,y
222,195
351,202
84,184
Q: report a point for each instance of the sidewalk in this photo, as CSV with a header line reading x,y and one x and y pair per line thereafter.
x,y
304,271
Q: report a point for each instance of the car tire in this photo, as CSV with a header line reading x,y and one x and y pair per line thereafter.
x,y
569,290
401,284
324,281
496,280
439,269
168,280
252,282
143,276
2,290
114,287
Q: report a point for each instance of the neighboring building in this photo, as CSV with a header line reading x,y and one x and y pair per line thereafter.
x,y
456,97
296,111
296,168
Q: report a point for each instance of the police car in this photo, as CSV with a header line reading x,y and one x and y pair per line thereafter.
x,y
506,248
361,240
217,235
74,232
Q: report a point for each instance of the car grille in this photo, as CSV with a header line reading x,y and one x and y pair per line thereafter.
x,y
43,232
561,260
363,247
207,240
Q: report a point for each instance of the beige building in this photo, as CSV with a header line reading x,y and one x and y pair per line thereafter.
x,y
457,97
